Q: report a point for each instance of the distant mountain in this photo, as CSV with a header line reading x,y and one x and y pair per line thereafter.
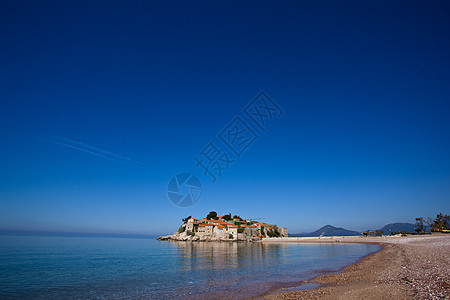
x,y
329,230
396,227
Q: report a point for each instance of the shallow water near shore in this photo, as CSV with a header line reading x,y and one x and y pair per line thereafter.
x,y
121,268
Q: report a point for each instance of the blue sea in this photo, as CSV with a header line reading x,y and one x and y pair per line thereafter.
x,y
128,268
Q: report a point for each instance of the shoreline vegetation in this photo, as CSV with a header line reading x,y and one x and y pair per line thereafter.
x,y
405,268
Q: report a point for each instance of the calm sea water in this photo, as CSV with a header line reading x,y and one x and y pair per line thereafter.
x,y
122,268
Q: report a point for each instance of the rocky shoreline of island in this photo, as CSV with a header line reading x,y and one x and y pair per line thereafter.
x,y
183,237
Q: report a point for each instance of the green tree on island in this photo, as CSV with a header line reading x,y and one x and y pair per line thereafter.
x,y
212,215
227,217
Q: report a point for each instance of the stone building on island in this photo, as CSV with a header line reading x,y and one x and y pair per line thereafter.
x,y
225,228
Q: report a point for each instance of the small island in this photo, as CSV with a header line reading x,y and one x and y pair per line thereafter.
x,y
224,228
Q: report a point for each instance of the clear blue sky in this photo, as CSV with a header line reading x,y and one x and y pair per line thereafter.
x,y
364,85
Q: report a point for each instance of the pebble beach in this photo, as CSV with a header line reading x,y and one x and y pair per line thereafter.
x,y
411,267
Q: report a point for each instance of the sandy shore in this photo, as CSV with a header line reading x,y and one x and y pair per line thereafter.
x,y
413,267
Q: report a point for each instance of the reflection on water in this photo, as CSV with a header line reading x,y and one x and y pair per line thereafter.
x,y
249,269
115,268
218,256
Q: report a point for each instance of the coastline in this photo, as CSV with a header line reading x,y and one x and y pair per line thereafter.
x,y
404,268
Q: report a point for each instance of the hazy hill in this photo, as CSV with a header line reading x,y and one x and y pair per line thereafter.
x,y
329,230
396,227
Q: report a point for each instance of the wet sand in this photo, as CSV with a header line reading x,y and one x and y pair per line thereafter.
x,y
412,267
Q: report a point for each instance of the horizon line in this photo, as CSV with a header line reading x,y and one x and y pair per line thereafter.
x,y
20,232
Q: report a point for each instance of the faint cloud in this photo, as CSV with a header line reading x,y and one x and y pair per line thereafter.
x,y
69,143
